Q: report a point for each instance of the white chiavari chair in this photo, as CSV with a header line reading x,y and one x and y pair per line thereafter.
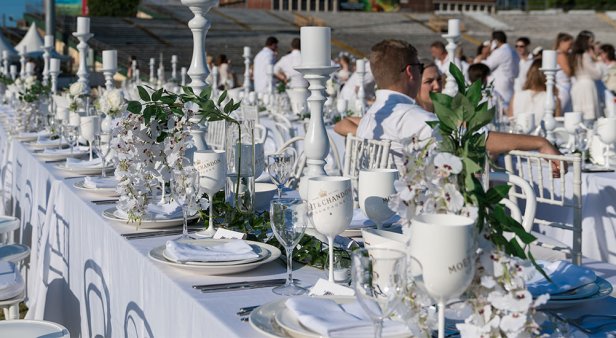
x,y
215,135
563,193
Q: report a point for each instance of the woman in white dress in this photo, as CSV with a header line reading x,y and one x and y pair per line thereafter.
x,y
227,77
564,42
584,91
531,99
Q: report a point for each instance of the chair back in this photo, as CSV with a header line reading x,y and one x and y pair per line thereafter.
x,y
215,135
521,189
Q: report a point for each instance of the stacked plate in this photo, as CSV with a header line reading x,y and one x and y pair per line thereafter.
x,y
217,265
45,142
157,216
104,186
571,285
83,167
49,154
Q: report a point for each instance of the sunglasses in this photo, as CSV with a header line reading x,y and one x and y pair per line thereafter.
x,y
421,67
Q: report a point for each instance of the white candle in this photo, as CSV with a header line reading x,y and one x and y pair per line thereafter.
x,y
453,27
110,59
316,46
49,41
54,65
13,69
5,54
548,59
152,62
30,68
360,66
174,58
83,25
246,51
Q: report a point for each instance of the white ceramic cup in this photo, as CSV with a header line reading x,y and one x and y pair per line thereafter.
x,y
606,129
375,188
90,127
212,168
331,203
444,244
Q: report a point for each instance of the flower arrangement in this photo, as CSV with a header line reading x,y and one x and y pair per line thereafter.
x,y
152,138
442,175
111,103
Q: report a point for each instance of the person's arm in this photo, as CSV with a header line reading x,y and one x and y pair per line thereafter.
x,y
499,143
347,125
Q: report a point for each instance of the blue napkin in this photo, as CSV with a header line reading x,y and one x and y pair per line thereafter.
x,y
565,276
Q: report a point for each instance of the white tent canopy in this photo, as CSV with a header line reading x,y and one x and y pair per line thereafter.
x,y
32,41
6,45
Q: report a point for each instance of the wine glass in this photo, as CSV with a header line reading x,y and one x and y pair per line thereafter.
x,y
583,143
288,221
89,127
212,168
606,129
280,167
444,245
379,280
331,209
185,191
102,148
375,186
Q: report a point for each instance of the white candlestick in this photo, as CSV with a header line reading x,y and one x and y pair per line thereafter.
x,y
548,117
29,69
174,67
49,40
13,71
316,46
54,71
451,86
548,59
152,64
183,74
199,25
5,62
22,61
83,25
453,27
82,72
246,85
360,69
246,51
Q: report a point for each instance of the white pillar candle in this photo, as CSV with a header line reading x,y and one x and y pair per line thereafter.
x,y
316,46
246,51
5,54
360,66
453,27
174,58
54,65
83,25
30,68
548,59
49,41
110,59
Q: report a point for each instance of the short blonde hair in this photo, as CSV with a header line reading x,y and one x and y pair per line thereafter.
x,y
388,59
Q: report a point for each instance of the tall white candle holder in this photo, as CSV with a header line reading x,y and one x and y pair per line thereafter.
x,y
133,66
53,73
110,67
199,26
246,56
152,64
82,47
215,82
5,63
108,73
451,87
361,91
174,68
46,55
183,74
22,61
548,116
13,71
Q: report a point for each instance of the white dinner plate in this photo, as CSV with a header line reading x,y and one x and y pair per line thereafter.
x,y
157,255
28,137
262,319
59,156
36,145
109,192
82,171
146,223
32,328
605,289
262,253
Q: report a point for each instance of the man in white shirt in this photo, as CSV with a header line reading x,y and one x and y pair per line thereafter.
x,y
395,115
439,53
504,66
526,59
267,56
285,71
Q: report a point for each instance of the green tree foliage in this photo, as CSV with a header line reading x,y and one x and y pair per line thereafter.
x,y
113,7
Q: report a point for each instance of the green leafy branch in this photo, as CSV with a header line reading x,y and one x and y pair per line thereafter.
x,y
34,93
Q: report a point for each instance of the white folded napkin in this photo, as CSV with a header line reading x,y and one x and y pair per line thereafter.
x,y
61,151
100,182
232,250
46,140
77,163
11,283
329,319
156,212
565,276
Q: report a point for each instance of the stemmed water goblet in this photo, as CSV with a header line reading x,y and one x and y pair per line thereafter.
x,y
331,209
606,129
71,134
572,122
280,167
212,168
583,143
89,127
375,186
185,191
102,149
379,279
288,221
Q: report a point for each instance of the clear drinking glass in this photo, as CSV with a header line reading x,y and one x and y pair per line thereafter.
x,y
288,221
280,167
102,148
379,280
185,191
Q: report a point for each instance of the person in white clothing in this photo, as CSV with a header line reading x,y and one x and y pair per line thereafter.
x,y
396,116
439,53
350,88
284,69
584,94
265,57
526,59
504,65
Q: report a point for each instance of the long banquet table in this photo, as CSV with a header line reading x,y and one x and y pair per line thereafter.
x,y
83,274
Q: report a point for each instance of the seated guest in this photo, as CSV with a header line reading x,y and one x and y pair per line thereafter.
x,y
395,115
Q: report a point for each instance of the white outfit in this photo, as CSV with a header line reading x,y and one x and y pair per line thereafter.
x,y
443,66
349,91
529,102
584,91
395,116
264,58
563,84
287,65
524,66
504,63
225,76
